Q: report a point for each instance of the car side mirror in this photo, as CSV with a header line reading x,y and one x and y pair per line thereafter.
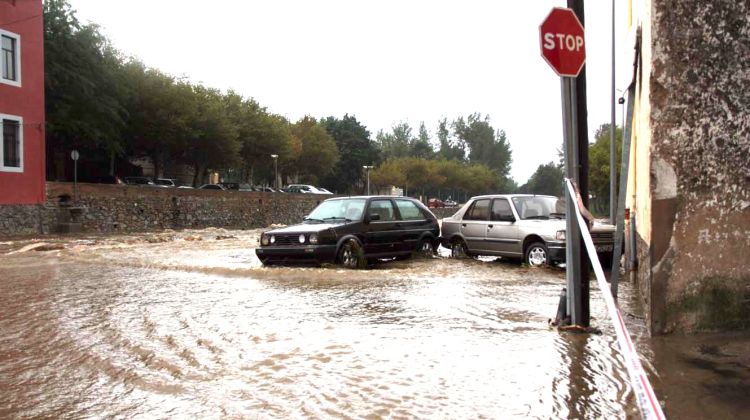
x,y
373,217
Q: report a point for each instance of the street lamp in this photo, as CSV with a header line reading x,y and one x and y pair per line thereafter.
x,y
275,172
367,168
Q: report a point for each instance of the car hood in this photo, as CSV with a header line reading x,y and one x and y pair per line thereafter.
x,y
304,228
559,224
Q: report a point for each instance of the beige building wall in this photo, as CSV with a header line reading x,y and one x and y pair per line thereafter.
x,y
690,163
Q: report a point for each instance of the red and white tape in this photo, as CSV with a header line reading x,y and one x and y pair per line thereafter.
x,y
644,392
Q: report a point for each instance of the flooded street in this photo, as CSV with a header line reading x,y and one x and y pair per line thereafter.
x,y
190,324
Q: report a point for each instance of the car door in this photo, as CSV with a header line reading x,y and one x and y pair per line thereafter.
x,y
412,224
474,225
381,235
502,231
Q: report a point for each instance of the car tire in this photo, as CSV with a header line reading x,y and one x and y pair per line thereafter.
x,y
351,255
459,249
536,255
425,248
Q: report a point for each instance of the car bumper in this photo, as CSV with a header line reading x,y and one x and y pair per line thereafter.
x,y
556,250
296,254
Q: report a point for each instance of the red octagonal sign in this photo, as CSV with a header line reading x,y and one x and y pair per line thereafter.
x,y
562,42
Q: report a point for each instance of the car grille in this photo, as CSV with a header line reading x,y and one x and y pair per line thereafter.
x,y
602,236
285,240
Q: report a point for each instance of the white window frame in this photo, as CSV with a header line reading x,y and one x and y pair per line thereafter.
x,y
17,37
4,168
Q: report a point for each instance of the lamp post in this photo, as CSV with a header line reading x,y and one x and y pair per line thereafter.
x,y
275,172
367,168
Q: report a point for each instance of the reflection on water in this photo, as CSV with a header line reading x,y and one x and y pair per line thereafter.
x,y
185,324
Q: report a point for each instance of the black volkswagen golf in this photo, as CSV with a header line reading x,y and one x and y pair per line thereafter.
x,y
353,231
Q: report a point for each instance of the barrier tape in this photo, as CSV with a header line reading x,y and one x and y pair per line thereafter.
x,y
644,392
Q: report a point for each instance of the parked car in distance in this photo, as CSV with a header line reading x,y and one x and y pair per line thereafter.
x,y
353,231
305,189
105,179
236,186
324,191
211,187
165,182
266,189
435,203
518,226
449,203
137,180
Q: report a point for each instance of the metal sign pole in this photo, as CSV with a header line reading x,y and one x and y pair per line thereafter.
x,y
572,230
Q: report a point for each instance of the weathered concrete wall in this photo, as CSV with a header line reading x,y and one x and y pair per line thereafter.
x,y
695,219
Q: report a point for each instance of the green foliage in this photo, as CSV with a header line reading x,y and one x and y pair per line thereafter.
x,y
356,150
599,168
547,180
83,84
486,145
318,151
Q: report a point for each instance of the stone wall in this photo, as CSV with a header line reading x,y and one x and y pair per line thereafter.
x,y
117,208
693,154
26,220
111,208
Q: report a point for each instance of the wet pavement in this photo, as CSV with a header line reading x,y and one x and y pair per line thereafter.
x,y
189,323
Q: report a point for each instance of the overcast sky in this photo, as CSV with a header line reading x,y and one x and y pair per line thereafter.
x,y
383,61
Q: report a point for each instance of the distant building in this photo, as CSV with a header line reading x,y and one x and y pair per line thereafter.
x,y
689,182
22,171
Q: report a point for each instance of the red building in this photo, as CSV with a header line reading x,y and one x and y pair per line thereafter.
x,y
22,172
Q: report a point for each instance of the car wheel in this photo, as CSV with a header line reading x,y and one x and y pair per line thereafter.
x,y
459,249
351,255
537,255
425,248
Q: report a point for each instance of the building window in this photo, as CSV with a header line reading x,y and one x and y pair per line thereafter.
x,y
10,58
11,149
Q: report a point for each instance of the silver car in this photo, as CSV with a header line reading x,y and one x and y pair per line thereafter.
x,y
519,226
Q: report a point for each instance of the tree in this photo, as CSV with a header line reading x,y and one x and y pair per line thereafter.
x,y
450,148
215,144
318,154
486,146
547,180
599,168
83,86
421,146
160,111
356,150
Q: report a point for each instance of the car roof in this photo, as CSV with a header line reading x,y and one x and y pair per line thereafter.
x,y
365,197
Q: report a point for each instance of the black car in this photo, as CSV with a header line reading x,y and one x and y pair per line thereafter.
x,y
353,231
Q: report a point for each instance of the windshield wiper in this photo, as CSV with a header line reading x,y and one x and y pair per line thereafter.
x,y
338,218
560,215
312,219
542,217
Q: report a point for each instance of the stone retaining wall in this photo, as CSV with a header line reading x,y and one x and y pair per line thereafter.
x,y
117,208
111,208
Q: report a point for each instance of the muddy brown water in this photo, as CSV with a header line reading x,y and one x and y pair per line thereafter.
x,y
182,324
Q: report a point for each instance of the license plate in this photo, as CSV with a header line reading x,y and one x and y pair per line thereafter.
x,y
604,248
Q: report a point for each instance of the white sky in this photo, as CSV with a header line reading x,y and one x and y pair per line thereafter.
x,y
383,61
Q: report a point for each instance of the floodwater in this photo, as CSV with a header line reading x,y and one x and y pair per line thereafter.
x,y
189,323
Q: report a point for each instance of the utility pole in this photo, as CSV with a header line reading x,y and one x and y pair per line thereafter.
x,y
612,148
367,169
583,168
275,172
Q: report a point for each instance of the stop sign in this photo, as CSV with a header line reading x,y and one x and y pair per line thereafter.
x,y
562,42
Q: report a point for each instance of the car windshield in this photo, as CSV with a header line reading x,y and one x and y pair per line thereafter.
x,y
333,210
540,207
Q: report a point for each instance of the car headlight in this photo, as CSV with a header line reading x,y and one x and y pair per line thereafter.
x,y
302,238
560,235
264,239
314,238
273,239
